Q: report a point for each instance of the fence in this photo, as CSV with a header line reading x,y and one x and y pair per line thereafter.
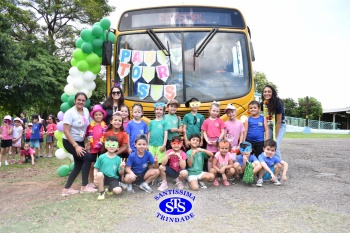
x,y
313,124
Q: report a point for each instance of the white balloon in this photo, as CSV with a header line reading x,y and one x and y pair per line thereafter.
x,y
70,156
88,76
86,91
89,94
60,153
78,83
243,118
69,79
90,86
70,90
74,72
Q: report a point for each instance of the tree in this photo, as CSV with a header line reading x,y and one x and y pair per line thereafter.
x,y
261,81
290,107
315,108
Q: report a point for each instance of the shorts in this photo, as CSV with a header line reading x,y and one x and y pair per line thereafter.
x,y
140,178
41,140
124,155
49,139
155,150
34,143
195,177
111,182
27,140
6,143
94,156
267,176
212,148
171,172
17,143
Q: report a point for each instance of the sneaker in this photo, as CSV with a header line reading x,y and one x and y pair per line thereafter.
x,y
216,182
235,180
179,184
49,156
70,191
101,196
12,161
186,184
123,185
279,177
225,183
108,191
87,189
129,188
92,185
144,186
36,157
277,183
260,182
6,163
163,186
45,156
202,185
19,161
41,156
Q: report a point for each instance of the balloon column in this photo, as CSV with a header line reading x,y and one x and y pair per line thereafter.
x,y
86,64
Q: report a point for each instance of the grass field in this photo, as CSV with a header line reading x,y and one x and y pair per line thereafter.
x,y
315,135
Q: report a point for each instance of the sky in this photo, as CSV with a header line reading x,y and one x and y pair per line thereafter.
x,y
303,47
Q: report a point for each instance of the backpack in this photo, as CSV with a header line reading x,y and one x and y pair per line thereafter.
x,y
248,176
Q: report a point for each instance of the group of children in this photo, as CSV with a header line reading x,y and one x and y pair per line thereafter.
x,y
26,141
139,154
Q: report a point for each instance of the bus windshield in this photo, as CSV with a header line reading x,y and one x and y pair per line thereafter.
x,y
220,71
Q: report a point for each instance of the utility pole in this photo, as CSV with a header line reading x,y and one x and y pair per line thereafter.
x,y
307,129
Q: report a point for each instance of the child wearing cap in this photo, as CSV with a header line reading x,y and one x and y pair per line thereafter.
x,y
193,121
234,129
6,138
95,136
16,140
243,158
28,131
174,122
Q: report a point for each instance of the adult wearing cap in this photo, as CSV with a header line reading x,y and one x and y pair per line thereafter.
x,y
113,102
234,128
75,123
173,120
6,137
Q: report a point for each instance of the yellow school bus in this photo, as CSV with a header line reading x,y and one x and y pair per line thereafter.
x,y
181,52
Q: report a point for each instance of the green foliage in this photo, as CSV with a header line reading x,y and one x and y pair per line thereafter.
x,y
261,81
290,107
315,108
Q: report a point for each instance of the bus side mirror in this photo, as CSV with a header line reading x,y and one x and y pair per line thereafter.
x,y
107,53
252,51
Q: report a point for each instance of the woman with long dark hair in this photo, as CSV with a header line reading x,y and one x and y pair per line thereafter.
x,y
113,102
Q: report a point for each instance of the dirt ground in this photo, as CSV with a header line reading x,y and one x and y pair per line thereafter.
x,y
316,197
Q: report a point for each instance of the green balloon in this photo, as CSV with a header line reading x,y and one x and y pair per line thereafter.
x,y
87,103
111,37
92,59
58,135
60,143
71,166
64,97
79,55
71,100
87,47
97,30
95,69
97,43
65,106
79,42
86,35
82,66
98,51
73,62
105,23
63,170
97,23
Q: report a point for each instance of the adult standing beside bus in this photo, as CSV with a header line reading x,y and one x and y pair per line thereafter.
x,y
113,103
75,122
273,109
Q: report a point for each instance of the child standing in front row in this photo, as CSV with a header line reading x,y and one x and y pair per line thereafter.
x,y
256,128
35,136
222,163
108,168
271,164
193,121
174,122
195,161
135,126
17,140
158,133
234,128
213,130
50,139
6,138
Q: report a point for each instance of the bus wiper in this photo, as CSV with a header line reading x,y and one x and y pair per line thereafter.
x,y
157,41
205,42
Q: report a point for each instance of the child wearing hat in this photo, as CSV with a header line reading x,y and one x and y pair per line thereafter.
x,y
234,129
95,136
174,122
17,139
6,137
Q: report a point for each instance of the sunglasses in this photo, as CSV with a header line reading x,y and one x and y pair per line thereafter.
x,y
195,104
116,92
245,150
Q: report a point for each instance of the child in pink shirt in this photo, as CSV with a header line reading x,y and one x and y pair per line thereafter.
x,y
28,152
222,163
6,138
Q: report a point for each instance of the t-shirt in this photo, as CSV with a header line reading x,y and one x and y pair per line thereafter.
x,y
50,129
223,161
77,122
35,131
251,159
192,128
213,127
108,166
173,122
16,132
139,164
270,161
174,161
28,133
197,164
125,124
157,129
4,132
95,133
134,129
234,128
28,152
121,135
255,129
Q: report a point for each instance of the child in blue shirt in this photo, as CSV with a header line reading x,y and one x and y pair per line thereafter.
x,y
141,167
35,136
135,126
271,164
